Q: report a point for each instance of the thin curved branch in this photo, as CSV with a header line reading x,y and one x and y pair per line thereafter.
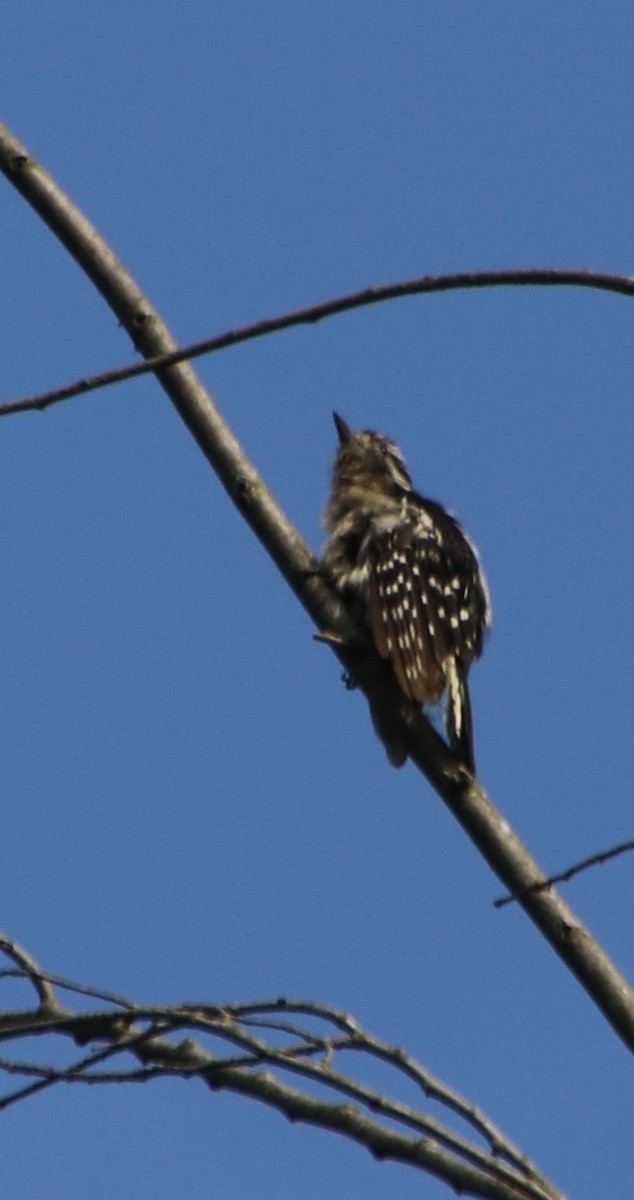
x,y
27,968
272,1047
621,285
463,795
60,981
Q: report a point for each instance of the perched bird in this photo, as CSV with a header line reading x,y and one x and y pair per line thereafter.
x,y
411,577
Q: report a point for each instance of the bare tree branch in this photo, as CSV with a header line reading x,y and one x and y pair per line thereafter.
x,y
466,799
622,285
275,1039
594,860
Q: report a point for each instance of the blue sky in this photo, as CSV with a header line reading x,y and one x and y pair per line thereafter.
x,y
194,806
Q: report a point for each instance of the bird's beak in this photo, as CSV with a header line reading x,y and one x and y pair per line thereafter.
x,y
344,430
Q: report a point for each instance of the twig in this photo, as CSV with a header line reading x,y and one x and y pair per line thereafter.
x,y
564,876
622,285
68,985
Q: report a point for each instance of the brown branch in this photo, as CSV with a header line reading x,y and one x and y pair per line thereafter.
x,y
570,872
272,1046
47,1076
622,285
353,1038
466,799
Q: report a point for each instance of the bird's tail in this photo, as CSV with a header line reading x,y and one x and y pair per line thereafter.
x,y
458,716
